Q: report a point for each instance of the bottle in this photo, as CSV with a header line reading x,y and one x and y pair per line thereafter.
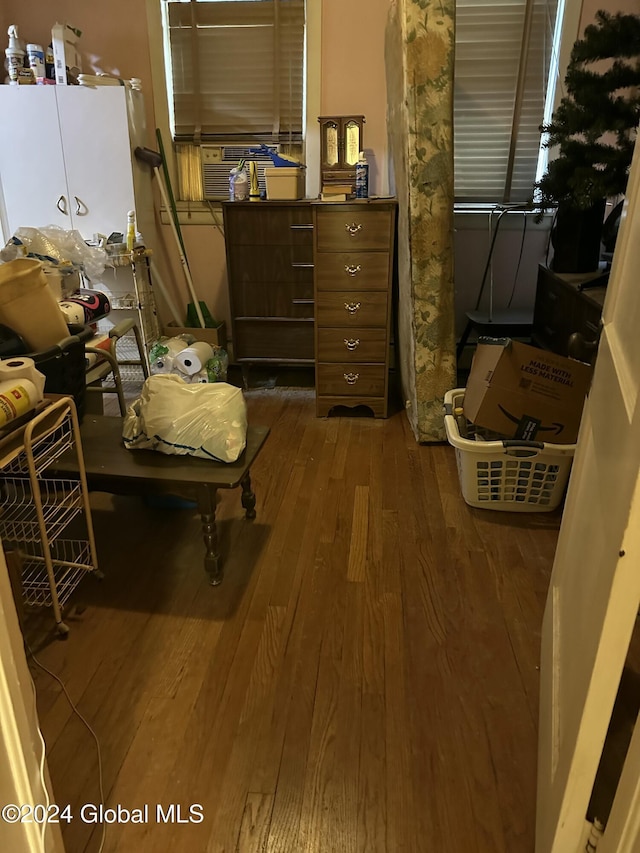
x,y
15,54
241,185
35,52
254,187
49,63
362,177
131,230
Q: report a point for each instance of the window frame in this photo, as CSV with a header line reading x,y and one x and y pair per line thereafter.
x,y
200,212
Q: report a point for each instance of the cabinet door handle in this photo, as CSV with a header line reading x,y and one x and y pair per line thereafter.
x,y
79,206
352,307
302,266
301,227
351,378
352,269
352,343
61,204
353,229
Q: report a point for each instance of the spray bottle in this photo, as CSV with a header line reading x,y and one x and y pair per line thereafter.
x,y
362,177
131,230
15,54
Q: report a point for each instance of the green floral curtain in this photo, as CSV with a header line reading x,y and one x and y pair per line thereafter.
x,y
419,62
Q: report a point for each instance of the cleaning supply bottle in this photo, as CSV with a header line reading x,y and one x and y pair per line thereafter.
x,y
254,187
14,53
362,177
131,230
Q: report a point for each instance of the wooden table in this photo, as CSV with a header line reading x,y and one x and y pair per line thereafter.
x,y
110,467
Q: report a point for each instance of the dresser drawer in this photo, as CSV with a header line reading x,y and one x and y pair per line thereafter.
x,y
353,228
340,270
351,308
351,380
352,345
270,263
271,299
273,340
262,224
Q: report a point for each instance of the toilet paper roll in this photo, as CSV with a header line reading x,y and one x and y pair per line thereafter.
x,y
72,312
193,359
163,364
12,369
201,377
17,397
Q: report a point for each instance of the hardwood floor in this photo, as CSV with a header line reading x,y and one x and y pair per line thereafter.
x,y
365,679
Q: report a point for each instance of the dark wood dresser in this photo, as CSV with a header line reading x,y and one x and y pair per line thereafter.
x,y
567,313
270,271
296,266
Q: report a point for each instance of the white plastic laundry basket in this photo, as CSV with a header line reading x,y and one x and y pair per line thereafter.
x,y
510,475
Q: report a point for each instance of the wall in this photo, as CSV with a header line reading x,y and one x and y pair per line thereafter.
x,y
353,75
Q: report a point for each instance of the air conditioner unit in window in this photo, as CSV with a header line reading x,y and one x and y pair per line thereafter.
x,y
219,160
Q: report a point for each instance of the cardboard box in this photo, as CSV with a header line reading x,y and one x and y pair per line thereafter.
x,y
216,337
284,182
66,52
524,392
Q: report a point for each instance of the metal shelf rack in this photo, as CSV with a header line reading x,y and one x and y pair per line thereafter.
x,y
36,507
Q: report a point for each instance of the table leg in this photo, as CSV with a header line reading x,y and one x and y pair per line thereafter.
x,y
248,497
207,509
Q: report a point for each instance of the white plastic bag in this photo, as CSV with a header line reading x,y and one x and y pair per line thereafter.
x,y
206,420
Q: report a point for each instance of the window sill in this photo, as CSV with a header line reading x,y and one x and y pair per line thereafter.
x,y
195,213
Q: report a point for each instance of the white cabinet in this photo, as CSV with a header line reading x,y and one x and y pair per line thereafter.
x,y
66,158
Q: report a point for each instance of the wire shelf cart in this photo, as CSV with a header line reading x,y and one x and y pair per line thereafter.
x,y
37,508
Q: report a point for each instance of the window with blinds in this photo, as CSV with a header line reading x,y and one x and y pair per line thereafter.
x,y
237,69
503,55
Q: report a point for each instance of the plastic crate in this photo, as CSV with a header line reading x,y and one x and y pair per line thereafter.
x,y
508,475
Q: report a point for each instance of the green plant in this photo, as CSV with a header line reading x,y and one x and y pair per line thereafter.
x,y
594,124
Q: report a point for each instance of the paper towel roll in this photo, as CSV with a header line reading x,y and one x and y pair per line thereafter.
x,y
163,364
17,397
72,313
193,359
12,369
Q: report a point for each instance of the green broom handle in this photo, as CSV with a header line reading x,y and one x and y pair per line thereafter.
x,y
172,200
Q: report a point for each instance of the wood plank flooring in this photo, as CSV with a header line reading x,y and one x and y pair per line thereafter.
x,y
365,679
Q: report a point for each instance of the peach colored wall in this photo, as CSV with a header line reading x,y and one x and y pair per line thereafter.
x,y
353,75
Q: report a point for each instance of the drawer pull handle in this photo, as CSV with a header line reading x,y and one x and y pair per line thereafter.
x,y
351,378
61,204
352,307
353,229
352,269
352,343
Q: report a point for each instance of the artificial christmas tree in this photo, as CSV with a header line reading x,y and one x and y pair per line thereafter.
x,y
594,128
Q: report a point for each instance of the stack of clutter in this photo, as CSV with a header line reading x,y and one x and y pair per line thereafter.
x,y
192,360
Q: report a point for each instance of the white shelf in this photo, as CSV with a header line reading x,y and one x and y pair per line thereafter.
x,y
36,507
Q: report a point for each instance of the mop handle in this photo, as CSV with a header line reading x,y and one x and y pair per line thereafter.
x,y
183,260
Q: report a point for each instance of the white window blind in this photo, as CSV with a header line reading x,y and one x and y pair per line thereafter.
x,y
237,69
503,54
